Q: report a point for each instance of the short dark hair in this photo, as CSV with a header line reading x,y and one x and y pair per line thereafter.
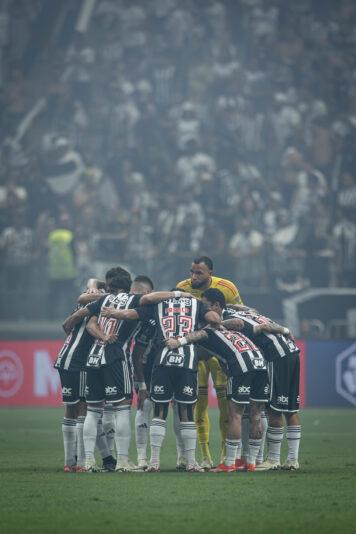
x,y
117,271
143,279
120,282
204,259
214,295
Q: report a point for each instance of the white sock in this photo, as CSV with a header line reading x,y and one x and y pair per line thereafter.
x,y
178,433
293,438
90,431
245,430
69,440
142,425
123,432
188,432
157,435
253,448
238,450
80,441
101,441
264,423
274,441
231,446
109,428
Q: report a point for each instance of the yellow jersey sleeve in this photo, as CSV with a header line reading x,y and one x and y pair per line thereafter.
x,y
184,285
231,293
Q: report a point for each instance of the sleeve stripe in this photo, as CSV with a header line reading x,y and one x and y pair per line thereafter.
x,y
229,285
184,283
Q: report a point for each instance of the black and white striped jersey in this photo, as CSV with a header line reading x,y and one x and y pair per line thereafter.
x,y
175,318
103,353
74,353
235,350
145,336
273,345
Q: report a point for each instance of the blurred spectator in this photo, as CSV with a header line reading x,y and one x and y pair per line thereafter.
x,y
61,267
246,247
344,233
17,252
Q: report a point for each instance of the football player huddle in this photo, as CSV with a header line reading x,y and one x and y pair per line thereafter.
x,y
165,344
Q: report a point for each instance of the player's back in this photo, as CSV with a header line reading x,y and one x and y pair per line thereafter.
x,y
175,318
234,349
273,345
74,352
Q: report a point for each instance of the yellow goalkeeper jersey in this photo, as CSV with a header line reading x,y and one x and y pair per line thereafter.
x,y
231,293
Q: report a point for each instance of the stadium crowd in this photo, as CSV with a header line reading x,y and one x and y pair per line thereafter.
x,y
167,128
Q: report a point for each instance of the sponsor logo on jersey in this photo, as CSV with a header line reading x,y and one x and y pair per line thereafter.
x,y
93,360
110,390
281,399
175,359
159,390
66,391
266,390
244,390
257,362
187,390
11,373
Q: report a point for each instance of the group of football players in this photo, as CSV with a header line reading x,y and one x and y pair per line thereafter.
x,y
166,344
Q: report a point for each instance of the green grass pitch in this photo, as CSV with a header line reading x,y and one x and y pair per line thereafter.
x,y
36,496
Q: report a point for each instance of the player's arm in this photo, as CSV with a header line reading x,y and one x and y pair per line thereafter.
x,y
95,330
239,307
143,392
193,337
76,317
212,318
93,293
94,283
124,315
159,296
273,328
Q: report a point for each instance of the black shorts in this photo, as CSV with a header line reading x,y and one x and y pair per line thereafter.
x,y
73,386
251,386
177,381
284,376
110,383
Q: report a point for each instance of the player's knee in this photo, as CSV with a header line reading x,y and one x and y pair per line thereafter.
x,y
161,411
72,411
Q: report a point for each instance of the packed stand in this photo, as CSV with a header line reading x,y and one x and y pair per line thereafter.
x,y
169,129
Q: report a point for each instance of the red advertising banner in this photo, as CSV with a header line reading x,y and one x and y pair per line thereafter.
x,y
27,376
